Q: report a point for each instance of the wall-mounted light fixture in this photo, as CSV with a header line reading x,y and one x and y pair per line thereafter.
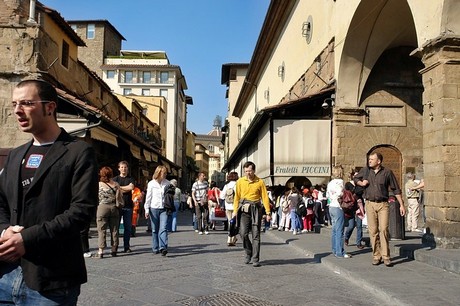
x,y
329,102
307,29
267,94
281,70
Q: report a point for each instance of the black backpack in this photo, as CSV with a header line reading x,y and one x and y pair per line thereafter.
x,y
302,209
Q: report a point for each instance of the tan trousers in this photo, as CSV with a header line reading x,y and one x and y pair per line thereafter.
x,y
107,217
378,215
413,211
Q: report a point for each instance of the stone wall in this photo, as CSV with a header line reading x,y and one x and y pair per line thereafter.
x,y
441,122
92,55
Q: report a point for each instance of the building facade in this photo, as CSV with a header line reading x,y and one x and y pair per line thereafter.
x,y
102,39
42,45
333,81
149,73
215,151
202,159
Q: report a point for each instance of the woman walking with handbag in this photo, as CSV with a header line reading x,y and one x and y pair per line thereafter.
x,y
155,210
227,194
108,214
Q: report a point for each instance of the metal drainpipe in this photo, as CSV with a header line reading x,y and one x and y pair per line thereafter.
x,y
32,12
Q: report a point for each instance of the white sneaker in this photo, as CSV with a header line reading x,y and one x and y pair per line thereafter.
x,y
304,231
294,232
200,233
286,230
87,255
196,231
206,232
418,230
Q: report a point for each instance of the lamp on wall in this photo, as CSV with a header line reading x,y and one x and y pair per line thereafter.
x,y
307,29
267,94
329,102
281,70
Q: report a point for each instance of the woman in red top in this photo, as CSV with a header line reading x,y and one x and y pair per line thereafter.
x,y
213,200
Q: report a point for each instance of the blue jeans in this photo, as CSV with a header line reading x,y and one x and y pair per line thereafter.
x,y
195,224
352,223
338,219
295,220
14,291
127,215
159,218
172,222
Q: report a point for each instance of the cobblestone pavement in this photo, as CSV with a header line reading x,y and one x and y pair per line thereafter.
x,y
203,270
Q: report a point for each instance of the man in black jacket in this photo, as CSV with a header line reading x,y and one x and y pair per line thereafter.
x,y
48,193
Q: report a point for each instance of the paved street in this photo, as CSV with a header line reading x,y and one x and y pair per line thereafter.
x,y
203,270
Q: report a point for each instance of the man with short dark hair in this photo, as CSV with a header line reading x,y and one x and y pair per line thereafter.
x,y
126,183
377,180
200,201
48,194
250,195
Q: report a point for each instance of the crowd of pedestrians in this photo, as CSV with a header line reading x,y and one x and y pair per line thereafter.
x,y
297,210
42,248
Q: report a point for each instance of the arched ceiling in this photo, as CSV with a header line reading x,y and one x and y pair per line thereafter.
x,y
375,27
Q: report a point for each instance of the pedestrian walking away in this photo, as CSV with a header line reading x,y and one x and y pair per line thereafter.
x,y
228,195
172,221
108,214
378,180
48,195
250,195
355,219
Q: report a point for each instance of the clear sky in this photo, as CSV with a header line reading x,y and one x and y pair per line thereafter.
x,y
197,35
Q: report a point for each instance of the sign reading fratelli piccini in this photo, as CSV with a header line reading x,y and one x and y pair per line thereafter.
x,y
302,169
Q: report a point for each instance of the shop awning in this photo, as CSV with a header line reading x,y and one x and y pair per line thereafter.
x,y
101,134
147,155
303,108
135,150
72,124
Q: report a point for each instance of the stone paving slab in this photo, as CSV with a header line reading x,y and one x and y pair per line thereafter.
x,y
204,270
407,282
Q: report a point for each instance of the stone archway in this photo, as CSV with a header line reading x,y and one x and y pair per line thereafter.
x,y
298,181
369,34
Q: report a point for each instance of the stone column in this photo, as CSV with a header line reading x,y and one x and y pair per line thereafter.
x,y
441,140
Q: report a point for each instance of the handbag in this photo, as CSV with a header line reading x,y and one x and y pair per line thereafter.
x,y
233,227
119,200
219,212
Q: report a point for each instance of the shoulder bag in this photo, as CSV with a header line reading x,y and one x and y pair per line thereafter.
x,y
119,201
